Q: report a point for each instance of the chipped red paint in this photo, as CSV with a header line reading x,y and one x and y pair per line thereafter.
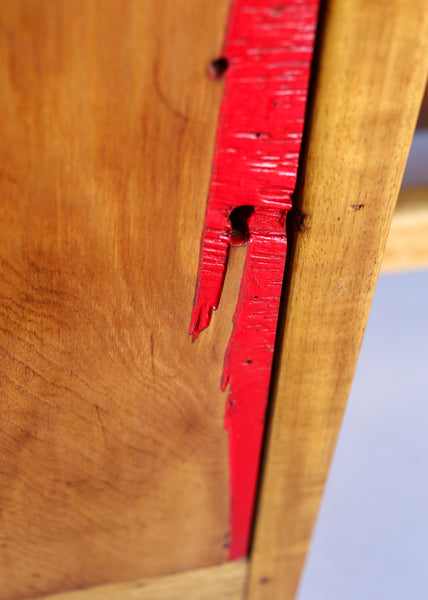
x,y
268,46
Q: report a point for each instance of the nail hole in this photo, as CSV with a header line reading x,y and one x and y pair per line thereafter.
x,y
239,220
218,67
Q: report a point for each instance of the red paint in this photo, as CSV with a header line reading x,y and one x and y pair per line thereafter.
x,y
269,46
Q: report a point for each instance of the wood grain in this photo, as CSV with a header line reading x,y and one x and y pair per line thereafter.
x,y
371,77
407,245
113,456
225,582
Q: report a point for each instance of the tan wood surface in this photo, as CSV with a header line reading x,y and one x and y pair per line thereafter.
x,y
113,456
372,71
222,582
407,245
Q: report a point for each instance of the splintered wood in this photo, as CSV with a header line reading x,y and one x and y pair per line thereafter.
x,y
266,58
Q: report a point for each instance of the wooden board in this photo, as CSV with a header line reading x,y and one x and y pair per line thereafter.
x,y
112,449
407,244
371,77
225,582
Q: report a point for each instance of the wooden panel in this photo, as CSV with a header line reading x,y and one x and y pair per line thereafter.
x,y
407,244
370,82
223,582
113,454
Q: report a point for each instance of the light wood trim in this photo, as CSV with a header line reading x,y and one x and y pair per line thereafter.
x,y
223,582
371,77
407,245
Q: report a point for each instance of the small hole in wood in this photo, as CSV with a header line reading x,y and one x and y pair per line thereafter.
x,y
239,218
218,67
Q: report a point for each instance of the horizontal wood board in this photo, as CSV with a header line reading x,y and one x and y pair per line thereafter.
x,y
225,582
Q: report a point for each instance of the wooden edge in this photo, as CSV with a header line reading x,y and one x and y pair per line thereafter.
x,y
407,245
225,582
370,81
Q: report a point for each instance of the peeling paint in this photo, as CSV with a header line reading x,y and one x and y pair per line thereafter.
x,y
267,51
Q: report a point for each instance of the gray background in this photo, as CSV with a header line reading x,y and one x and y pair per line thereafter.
x,y
371,537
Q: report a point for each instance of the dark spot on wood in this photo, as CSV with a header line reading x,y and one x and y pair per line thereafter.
x,y
355,207
264,580
98,410
226,540
218,67
257,135
152,352
301,220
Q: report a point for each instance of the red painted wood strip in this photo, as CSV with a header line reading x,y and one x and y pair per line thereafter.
x,y
268,47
